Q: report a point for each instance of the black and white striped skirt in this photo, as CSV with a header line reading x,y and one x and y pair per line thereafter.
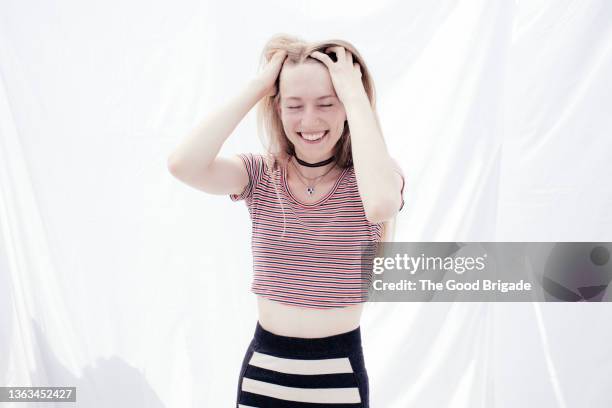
x,y
294,372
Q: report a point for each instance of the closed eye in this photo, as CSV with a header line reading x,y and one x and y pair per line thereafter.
x,y
296,107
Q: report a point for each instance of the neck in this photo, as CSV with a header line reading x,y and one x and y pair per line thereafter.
x,y
312,172
316,164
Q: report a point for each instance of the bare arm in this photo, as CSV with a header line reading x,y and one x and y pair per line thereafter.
x,y
378,181
195,160
380,185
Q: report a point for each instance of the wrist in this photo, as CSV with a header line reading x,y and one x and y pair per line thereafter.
x,y
257,87
356,95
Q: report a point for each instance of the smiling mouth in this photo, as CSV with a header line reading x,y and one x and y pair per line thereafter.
x,y
313,137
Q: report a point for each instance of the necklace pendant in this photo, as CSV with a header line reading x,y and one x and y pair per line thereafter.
x,y
310,190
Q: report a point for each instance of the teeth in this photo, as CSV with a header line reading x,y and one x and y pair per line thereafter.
x,y
312,136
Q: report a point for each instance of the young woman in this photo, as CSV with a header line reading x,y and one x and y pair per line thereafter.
x,y
325,186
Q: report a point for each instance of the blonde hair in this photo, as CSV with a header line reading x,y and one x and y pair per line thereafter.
x,y
277,145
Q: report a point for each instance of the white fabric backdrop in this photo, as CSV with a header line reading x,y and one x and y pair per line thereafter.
x,y
120,280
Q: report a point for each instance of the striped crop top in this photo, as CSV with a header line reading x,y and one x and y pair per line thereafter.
x,y
307,255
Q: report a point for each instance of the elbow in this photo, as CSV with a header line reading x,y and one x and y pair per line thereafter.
x,y
172,164
380,212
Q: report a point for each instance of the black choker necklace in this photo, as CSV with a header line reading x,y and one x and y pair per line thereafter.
x,y
319,164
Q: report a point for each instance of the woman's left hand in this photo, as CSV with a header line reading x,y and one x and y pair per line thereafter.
x,y
345,74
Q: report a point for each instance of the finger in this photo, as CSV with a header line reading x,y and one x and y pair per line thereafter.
x,y
357,67
340,52
349,57
324,58
280,54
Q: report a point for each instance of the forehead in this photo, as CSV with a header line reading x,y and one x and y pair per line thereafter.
x,y
306,81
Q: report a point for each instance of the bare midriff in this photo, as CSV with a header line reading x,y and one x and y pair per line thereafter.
x,y
295,321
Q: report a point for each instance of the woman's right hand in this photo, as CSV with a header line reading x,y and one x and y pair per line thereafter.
x,y
268,76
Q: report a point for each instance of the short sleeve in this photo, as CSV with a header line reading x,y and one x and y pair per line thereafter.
x,y
399,170
254,165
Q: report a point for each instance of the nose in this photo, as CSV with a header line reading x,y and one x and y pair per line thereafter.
x,y
310,118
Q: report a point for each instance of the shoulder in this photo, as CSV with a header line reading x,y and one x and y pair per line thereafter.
x,y
347,181
350,171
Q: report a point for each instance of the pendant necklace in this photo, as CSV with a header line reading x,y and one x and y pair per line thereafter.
x,y
310,188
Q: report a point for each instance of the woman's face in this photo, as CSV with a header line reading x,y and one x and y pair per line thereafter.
x,y
308,106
